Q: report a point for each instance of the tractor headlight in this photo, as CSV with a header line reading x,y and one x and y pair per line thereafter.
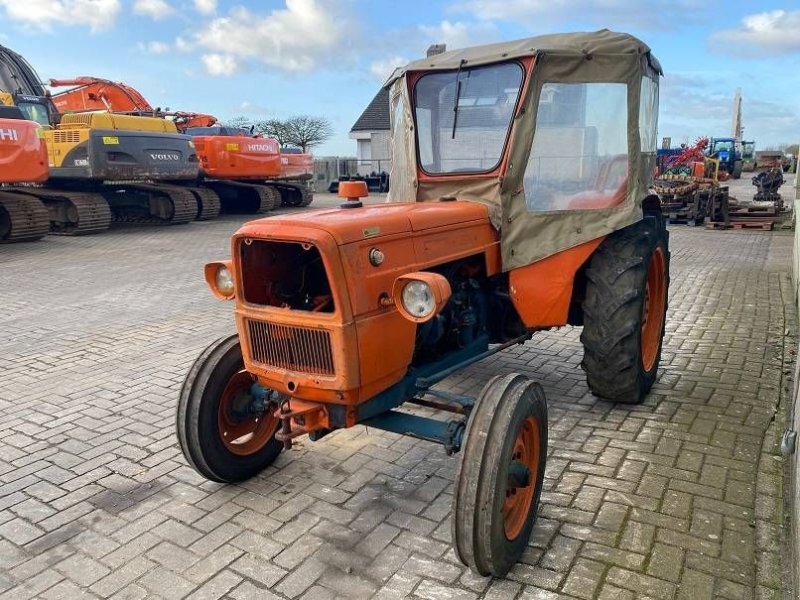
x,y
224,280
219,277
420,296
418,299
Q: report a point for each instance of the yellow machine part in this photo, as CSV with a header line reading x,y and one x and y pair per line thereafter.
x,y
75,129
101,120
61,141
6,99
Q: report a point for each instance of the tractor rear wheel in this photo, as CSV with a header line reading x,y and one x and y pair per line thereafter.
x,y
737,169
624,311
499,479
223,436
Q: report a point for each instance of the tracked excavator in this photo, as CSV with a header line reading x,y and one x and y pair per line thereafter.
x,y
104,166
250,174
23,160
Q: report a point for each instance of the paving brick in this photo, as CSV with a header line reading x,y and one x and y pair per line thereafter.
x,y
584,578
641,584
217,587
166,584
666,562
258,570
19,531
82,570
119,578
657,500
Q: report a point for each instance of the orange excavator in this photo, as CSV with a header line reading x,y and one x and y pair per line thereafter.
x,y
250,174
23,159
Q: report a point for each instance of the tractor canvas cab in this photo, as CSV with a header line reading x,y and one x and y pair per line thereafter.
x,y
519,202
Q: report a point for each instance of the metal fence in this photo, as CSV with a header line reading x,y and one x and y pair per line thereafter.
x,y
329,170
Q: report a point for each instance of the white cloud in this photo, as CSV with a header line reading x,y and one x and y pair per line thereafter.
x,y
459,34
220,64
206,7
296,38
381,69
43,14
156,47
546,13
155,9
762,34
253,108
182,45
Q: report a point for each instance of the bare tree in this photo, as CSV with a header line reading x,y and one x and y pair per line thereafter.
x,y
274,128
303,131
306,132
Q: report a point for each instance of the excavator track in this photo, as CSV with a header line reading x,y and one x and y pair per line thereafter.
x,y
295,195
22,218
208,201
166,204
246,198
72,213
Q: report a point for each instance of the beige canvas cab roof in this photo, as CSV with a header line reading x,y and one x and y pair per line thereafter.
x,y
582,43
567,58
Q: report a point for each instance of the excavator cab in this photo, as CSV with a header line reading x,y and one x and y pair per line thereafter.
x,y
35,109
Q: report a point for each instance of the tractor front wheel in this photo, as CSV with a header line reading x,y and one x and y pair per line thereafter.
x,y
624,311
222,432
499,479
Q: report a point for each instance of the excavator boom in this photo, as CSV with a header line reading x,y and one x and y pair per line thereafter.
x,y
93,93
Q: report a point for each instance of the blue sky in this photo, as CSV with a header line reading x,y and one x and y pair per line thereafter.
x,y
263,59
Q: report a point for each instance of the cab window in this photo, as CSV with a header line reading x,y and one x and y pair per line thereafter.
x,y
35,112
579,157
463,117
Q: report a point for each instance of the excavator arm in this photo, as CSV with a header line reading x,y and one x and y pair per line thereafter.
x,y
93,93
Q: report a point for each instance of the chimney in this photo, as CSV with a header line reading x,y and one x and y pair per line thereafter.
x,y
435,49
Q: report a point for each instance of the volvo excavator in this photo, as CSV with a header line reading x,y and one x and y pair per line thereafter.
x,y
250,174
23,159
104,166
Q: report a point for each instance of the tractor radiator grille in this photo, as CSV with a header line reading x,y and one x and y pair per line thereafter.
x,y
67,136
292,348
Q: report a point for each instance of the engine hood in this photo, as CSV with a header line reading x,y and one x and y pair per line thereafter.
x,y
347,225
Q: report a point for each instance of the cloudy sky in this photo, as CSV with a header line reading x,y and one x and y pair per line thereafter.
x,y
276,58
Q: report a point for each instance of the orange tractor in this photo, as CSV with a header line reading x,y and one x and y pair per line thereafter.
x,y
23,159
519,202
249,174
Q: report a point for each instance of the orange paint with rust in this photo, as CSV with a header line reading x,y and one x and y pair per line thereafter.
x,y
371,342
541,292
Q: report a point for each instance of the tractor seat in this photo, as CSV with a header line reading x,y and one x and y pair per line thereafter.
x,y
594,199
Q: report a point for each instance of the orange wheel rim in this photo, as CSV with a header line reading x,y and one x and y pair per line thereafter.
x,y
653,311
241,433
518,500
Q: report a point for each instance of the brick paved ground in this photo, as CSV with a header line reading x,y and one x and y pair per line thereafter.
x,y
677,498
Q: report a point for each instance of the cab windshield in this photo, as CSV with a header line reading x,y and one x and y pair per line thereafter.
x,y
463,117
35,112
722,146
